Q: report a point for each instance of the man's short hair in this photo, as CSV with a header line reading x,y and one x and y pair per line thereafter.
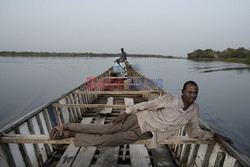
x,y
189,83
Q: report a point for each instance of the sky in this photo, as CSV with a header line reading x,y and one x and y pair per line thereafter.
x,y
162,27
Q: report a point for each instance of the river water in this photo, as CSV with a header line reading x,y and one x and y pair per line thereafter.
x,y
29,82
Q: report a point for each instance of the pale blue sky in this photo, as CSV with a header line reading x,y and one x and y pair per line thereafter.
x,y
140,26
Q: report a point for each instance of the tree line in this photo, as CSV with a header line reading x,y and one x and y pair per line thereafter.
x,y
228,53
63,54
234,55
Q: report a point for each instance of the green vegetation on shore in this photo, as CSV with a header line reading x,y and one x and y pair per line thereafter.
x,y
54,54
240,55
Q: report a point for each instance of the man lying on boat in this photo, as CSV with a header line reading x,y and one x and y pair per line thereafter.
x,y
153,121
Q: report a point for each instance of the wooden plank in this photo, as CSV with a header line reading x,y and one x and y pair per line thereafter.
x,y
4,157
207,155
92,106
129,101
66,114
162,157
72,101
201,154
9,156
108,157
47,120
117,92
71,110
180,146
24,152
220,159
16,153
45,131
180,140
138,153
41,146
213,155
36,146
193,155
55,112
121,78
185,156
124,151
45,139
77,101
237,164
229,161
68,156
43,128
33,139
108,110
85,155
23,129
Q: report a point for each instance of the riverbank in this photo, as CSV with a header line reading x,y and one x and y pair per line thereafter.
x,y
55,54
240,55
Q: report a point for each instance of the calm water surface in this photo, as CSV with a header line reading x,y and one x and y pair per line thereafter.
x,y
27,83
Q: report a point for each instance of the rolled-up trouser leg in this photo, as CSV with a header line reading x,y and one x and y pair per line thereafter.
x,y
111,140
130,123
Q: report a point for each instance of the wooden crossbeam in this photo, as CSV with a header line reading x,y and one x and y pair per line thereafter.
x,y
122,78
45,139
92,106
115,78
34,139
117,92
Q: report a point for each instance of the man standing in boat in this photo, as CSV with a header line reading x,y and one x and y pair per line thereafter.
x,y
123,57
153,121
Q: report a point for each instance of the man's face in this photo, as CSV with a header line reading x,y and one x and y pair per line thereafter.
x,y
190,94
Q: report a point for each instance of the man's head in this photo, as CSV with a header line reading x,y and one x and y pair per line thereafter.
x,y
118,61
189,92
122,50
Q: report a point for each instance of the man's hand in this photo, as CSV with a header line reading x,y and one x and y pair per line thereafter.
x,y
219,137
121,118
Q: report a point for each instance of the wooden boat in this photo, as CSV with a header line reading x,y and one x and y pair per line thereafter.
x,y
25,142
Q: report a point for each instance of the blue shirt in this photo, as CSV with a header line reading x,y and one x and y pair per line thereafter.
x,y
119,68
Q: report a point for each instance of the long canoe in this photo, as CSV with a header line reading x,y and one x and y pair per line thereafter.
x,y
25,142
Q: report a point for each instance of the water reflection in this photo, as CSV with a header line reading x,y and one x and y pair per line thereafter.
x,y
208,66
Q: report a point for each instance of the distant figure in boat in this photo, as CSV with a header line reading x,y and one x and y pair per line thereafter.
x,y
123,57
119,69
152,121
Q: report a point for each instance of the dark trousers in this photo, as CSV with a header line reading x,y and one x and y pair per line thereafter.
x,y
110,135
